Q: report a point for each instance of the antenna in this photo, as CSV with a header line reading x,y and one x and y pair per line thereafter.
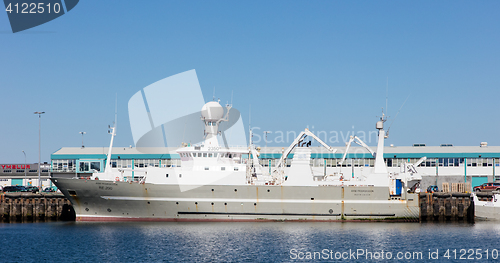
x,y
249,122
250,116
397,114
116,108
386,95
213,98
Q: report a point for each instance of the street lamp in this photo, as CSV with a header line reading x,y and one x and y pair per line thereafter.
x,y
82,133
39,145
25,167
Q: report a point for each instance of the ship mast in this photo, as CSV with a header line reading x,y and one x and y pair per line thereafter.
x,y
112,131
380,167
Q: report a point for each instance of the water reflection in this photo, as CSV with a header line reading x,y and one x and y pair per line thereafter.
x,y
251,242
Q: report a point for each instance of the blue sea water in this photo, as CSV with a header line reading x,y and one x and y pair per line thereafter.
x,y
249,242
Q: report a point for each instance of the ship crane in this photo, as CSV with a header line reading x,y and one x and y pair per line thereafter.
x,y
408,167
411,167
279,169
359,142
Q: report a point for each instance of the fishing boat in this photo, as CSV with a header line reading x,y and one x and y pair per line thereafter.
x,y
221,183
487,206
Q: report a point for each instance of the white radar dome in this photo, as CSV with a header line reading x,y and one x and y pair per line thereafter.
x,y
212,111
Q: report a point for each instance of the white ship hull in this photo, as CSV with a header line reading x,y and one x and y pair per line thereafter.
x,y
489,210
95,200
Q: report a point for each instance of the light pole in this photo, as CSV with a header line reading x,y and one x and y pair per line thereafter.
x,y
25,167
39,145
82,133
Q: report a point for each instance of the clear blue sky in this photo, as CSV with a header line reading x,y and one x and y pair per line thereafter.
x,y
297,63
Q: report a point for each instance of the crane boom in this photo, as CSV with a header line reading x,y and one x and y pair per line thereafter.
x,y
358,141
296,142
420,161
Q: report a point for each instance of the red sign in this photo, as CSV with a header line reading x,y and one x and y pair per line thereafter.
x,y
15,166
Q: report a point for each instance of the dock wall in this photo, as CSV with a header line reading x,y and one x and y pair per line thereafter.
x,y
442,207
27,207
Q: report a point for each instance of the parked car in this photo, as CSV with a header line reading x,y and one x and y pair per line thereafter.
x,y
48,190
32,189
14,188
487,187
432,189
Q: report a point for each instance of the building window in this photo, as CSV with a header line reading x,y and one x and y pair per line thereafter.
x,y
84,166
63,165
95,166
90,166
